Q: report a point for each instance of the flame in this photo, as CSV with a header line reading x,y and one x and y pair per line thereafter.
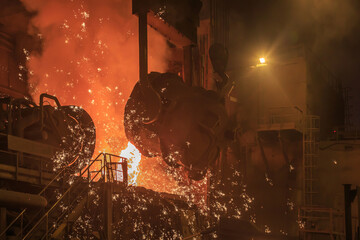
x,y
134,157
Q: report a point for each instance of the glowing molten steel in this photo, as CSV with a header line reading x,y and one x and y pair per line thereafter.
x,y
89,58
134,157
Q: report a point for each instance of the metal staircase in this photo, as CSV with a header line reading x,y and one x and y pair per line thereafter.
x,y
65,208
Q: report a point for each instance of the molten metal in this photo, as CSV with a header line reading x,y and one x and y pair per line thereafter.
x,y
89,58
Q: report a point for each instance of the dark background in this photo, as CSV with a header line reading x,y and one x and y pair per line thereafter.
x,y
329,28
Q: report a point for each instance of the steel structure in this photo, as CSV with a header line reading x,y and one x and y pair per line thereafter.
x,y
55,219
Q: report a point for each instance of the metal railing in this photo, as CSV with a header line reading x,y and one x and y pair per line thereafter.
x,y
23,160
317,220
18,159
110,171
281,116
107,173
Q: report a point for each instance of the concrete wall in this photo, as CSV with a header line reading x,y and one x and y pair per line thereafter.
x,y
283,85
339,164
277,90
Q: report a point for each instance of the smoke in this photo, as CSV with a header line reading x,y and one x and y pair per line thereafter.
x,y
327,21
89,58
333,32
330,28
314,22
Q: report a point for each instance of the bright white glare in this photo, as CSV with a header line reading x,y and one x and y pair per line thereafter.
x,y
134,157
262,60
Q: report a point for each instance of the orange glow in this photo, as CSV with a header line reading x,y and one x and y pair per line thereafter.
x,y
90,59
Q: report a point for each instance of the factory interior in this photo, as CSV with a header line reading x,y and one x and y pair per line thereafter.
x,y
167,119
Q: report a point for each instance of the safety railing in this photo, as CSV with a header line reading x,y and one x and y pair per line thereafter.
x,y
108,172
20,216
112,169
316,220
21,161
282,116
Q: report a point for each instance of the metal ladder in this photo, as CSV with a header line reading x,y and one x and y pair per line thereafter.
x,y
310,158
313,219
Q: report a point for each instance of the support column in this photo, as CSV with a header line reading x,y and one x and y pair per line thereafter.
x,y
152,101
143,47
108,211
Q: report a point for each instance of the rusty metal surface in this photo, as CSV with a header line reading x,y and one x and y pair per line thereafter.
x,y
20,199
190,129
177,20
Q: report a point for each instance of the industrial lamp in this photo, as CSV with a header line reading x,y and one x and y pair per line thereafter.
x,y
262,62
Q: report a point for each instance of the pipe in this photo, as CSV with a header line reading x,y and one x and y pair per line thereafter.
x,y
20,200
152,99
143,49
42,96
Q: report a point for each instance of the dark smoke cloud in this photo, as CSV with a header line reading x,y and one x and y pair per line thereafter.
x,y
332,30
327,20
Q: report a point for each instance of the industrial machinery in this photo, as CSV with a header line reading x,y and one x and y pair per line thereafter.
x,y
189,130
164,116
67,131
41,147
